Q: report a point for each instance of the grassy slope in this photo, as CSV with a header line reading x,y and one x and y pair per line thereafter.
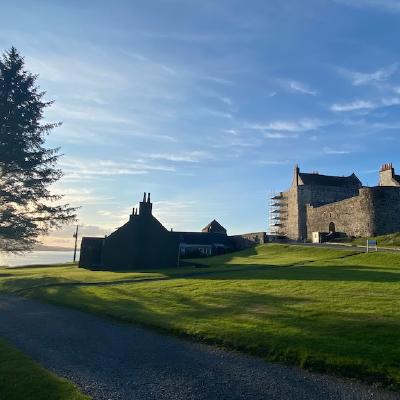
x,y
22,378
391,240
323,309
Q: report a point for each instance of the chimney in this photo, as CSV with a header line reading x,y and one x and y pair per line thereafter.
x,y
386,175
145,206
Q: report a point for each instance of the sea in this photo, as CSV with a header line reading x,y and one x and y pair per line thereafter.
x,y
37,258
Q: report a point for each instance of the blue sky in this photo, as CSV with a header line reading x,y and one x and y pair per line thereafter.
x,y
209,104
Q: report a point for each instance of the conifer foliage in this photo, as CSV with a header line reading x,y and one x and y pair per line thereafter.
x,y
27,168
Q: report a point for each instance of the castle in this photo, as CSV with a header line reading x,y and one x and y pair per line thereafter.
x,y
338,205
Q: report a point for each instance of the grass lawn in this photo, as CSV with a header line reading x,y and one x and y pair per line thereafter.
x,y
327,310
22,378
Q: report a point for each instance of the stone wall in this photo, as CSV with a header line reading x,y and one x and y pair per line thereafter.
x,y
247,240
386,204
315,196
354,216
291,226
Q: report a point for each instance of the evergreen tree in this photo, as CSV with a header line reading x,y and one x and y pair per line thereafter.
x,y
27,168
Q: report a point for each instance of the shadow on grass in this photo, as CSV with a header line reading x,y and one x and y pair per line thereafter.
x,y
275,327
239,272
336,273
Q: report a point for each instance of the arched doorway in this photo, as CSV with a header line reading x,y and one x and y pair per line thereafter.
x,y
332,227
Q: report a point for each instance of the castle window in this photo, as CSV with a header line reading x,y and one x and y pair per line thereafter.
x,y
332,227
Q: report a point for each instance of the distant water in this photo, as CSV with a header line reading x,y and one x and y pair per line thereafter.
x,y
37,257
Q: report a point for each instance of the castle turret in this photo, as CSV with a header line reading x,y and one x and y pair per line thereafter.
x,y
387,176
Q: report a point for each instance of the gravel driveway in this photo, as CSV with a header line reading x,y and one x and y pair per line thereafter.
x,y
108,360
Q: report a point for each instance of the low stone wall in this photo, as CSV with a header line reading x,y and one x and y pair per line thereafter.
x,y
247,240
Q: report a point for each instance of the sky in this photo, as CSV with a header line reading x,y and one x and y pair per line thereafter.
x,y
208,104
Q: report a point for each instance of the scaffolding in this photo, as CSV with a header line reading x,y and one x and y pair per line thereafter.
x,y
277,213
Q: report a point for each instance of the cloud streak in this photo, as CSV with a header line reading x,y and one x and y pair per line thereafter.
x,y
83,169
334,151
301,125
364,105
190,156
376,77
302,88
386,5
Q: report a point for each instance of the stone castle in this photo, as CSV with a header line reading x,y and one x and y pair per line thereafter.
x,y
337,205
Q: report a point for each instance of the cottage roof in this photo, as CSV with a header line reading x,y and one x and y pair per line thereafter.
x,y
325,180
198,238
214,227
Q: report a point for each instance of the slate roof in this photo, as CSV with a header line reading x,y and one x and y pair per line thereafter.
x,y
203,238
325,180
214,227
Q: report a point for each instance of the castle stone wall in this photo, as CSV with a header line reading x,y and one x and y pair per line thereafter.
x,y
354,216
315,196
291,223
386,203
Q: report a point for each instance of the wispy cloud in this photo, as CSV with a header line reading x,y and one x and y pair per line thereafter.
x,y
301,125
89,114
280,135
81,196
330,150
386,5
369,78
64,238
217,113
176,214
216,79
352,106
302,88
272,162
190,156
390,101
358,105
83,169
67,70
149,62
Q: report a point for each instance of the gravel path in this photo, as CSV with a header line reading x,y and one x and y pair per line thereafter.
x,y
108,360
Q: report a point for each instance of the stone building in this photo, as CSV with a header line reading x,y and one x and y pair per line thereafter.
x,y
144,243
338,205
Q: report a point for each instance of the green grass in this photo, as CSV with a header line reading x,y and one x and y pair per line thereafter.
x,y
390,240
22,378
327,310
19,278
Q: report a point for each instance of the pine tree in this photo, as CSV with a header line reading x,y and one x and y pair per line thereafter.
x,y
28,209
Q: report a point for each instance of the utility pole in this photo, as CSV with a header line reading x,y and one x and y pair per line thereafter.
x,y
75,235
